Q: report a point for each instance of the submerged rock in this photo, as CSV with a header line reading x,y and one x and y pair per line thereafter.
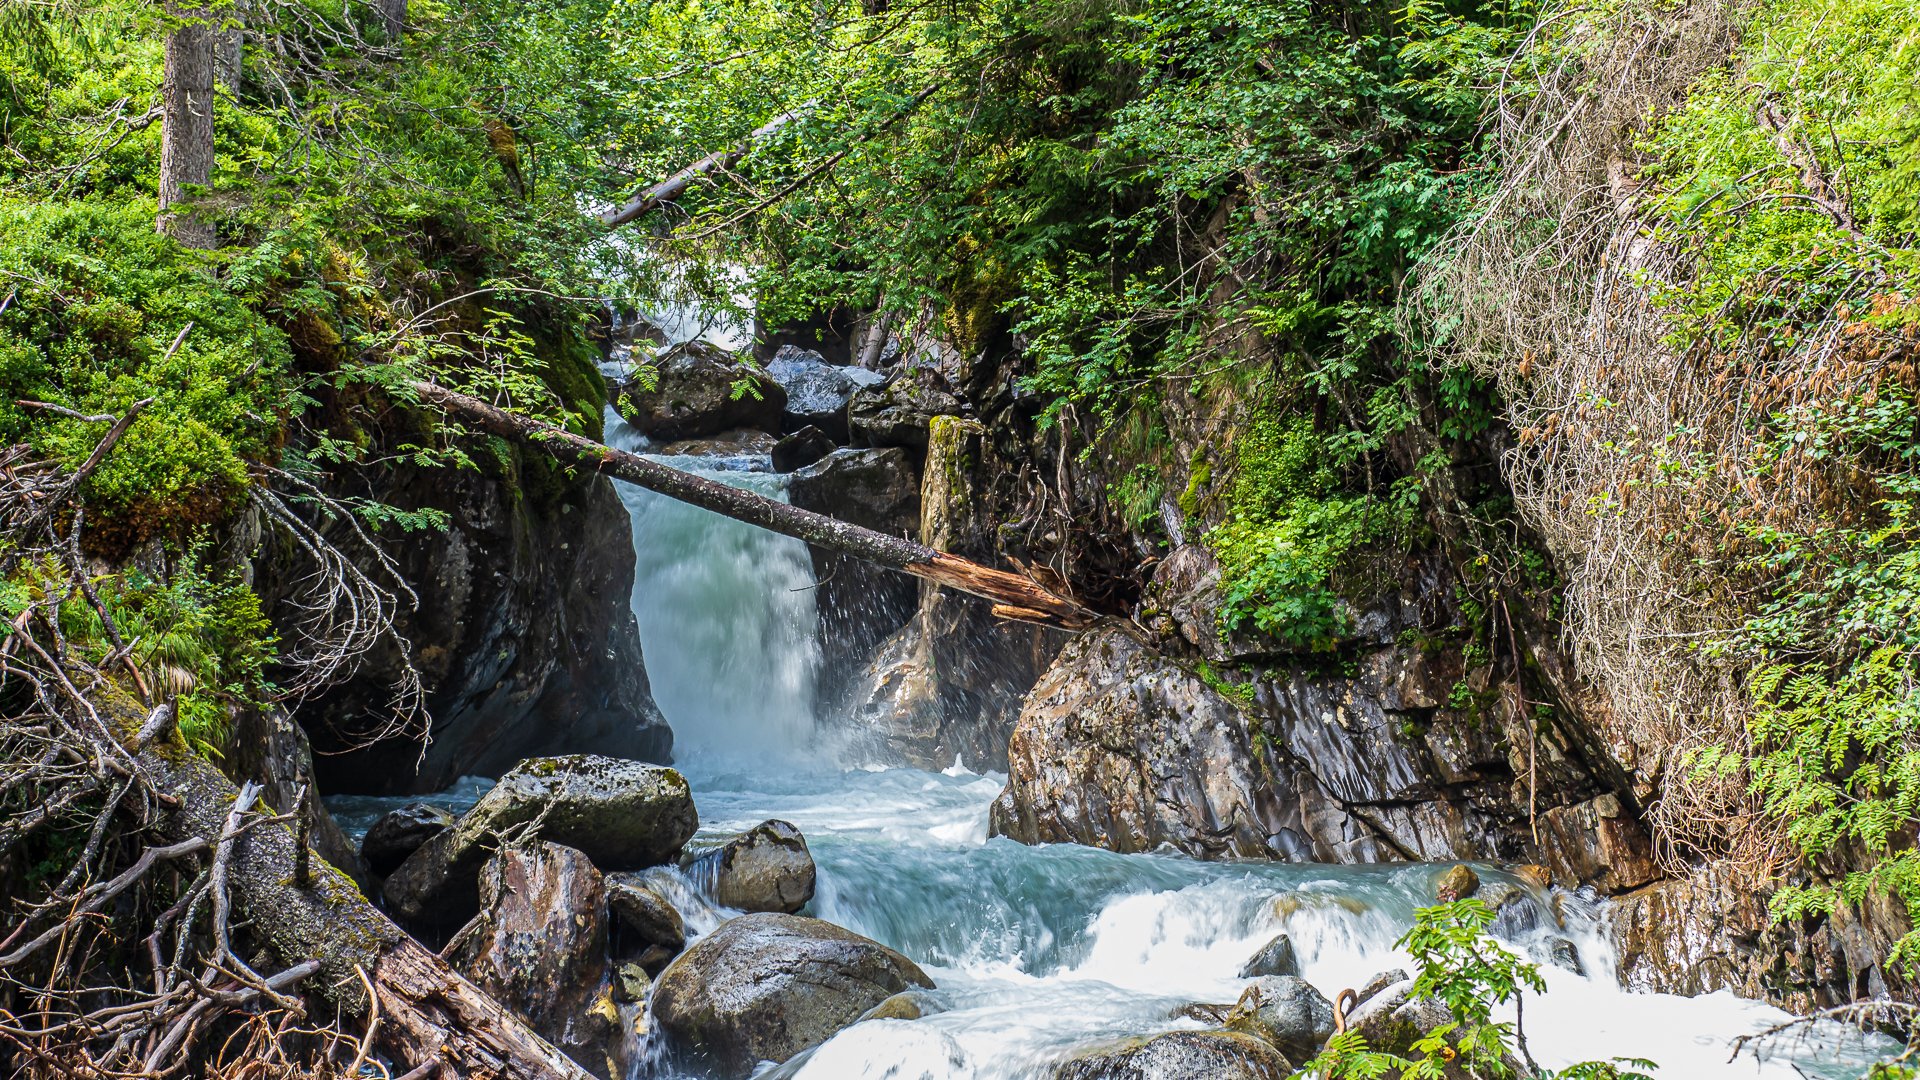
x,y
621,814
399,833
694,395
764,987
1286,1011
539,947
1181,1055
766,868
1276,957
817,391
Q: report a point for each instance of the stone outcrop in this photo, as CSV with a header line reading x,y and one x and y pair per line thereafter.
x,y
800,449
1181,1055
539,947
765,987
898,412
766,868
622,815
695,390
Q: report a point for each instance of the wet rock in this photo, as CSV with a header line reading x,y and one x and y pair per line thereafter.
x,y
1457,884
1285,1011
899,412
1392,1019
1535,875
631,983
1181,1055
539,947
1276,957
800,449
817,391
764,987
1597,843
399,833
643,917
766,868
621,814
906,1005
1378,983
740,442
1185,591
693,395
1122,748
1206,1012
1562,953
879,489
1515,915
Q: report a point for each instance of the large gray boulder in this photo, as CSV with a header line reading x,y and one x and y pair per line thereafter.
x,y
624,815
898,412
764,987
1181,1055
1276,957
539,947
817,392
766,868
400,833
1286,1011
696,390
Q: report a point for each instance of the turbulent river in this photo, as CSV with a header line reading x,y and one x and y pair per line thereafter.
x,y
1041,950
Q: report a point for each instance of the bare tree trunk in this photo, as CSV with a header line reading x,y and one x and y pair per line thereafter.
x,y
393,16
229,48
186,123
1014,597
875,344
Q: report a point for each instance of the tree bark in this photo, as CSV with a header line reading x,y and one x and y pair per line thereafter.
x,y
186,122
1015,597
393,18
428,1013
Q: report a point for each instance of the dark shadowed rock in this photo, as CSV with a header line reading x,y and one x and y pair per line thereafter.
x,y
399,833
898,412
621,814
1276,957
1181,1055
1285,1011
740,442
764,987
643,917
539,947
801,449
817,391
766,868
701,390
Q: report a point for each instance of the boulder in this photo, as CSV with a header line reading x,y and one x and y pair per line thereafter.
x,y
766,868
817,391
1378,983
698,389
399,833
1181,1055
539,947
740,442
1392,1020
1457,883
1286,1011
767,986
800,449
621,814
643,918
1276,957
898,412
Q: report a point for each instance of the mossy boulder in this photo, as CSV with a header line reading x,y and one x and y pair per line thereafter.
x,y
697,390
767,986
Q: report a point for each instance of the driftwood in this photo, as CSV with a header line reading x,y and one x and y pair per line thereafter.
x,y
1014,596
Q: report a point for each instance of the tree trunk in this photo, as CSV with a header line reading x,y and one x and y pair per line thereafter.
x,y
1015,597
672,186
393,17
229,48
186,122
428,1013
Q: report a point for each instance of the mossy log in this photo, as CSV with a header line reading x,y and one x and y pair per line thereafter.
x,y
1014,596
427,1014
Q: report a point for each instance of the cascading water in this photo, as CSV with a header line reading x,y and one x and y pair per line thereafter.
x,y
1041,950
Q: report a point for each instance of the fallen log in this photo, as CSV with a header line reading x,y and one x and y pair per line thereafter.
x,y
430,1018
672,186
1015,597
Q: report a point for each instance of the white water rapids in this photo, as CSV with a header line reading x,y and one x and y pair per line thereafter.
x,y
1038,951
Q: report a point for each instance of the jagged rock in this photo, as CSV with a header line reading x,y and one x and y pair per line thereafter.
x,y
695,395
1597,843
1285,1011
766,868
1181,1055
859,603
800,449
1185,592
1457,883
740,442
644,917
1535,875
1122,748
817,391
1276,957
898,412
539,947
764,987
399,833
622,814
